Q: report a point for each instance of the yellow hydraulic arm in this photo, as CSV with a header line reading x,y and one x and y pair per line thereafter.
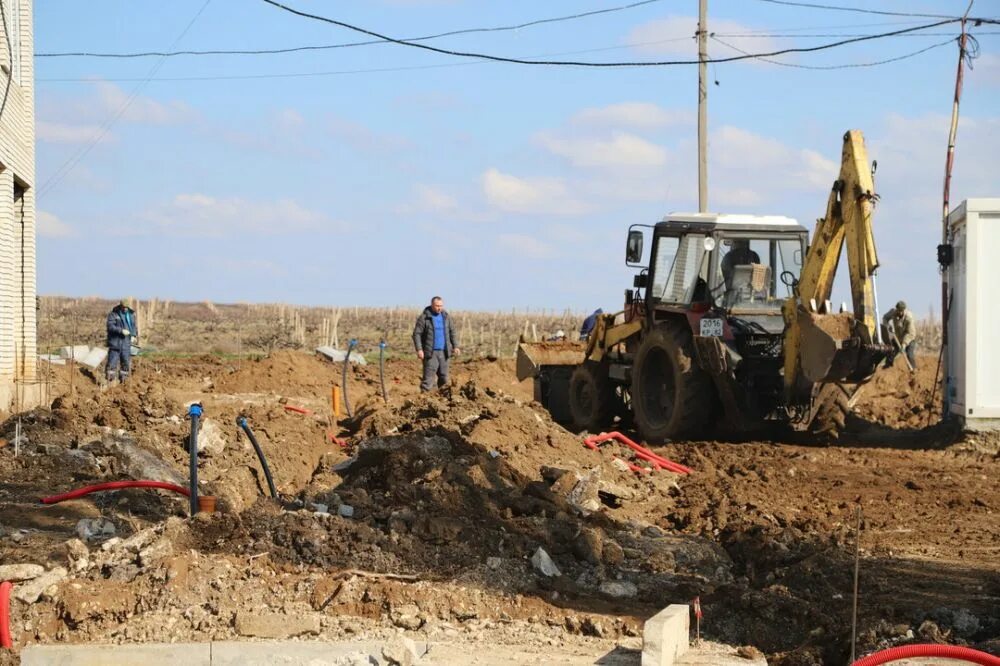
x,y
848,218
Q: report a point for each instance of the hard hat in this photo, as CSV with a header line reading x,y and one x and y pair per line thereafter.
x,y
123,300
901,305
560,333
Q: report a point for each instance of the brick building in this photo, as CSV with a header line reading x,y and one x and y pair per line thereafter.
x,y
18,346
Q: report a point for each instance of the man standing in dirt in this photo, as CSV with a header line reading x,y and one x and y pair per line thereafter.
x,y
902,334
434,340
122,331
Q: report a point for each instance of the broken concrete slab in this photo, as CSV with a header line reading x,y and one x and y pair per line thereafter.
x,y
189,654
75,352
95,357
52,359
338,356
665,636
139,463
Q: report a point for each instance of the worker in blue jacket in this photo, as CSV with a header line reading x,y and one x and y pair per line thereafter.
x,y
589,323
123,330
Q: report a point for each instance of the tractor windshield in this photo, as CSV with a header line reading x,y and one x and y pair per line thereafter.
x,y
749,272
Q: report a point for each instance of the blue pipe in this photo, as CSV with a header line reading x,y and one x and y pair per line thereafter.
x,y
194,412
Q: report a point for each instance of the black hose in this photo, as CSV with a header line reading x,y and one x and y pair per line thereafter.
x,y
381,370
241,421
347,360
194,411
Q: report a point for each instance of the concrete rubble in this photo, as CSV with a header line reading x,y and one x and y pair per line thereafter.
x,y
338,356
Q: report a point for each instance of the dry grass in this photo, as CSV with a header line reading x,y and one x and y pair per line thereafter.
x,y
256,328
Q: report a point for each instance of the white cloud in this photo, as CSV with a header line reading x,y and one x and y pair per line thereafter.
x,y
144,110
203,215
775,164
434,199
621,150
51,226
69,133
674,36
364,139
525,246
543,196
642,115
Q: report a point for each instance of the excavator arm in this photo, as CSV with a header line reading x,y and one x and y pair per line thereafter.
x,y
821,346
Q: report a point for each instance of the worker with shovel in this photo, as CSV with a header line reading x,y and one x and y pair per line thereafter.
x,y
122,332
901,332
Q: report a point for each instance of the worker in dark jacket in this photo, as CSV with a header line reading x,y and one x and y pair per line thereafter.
x,y
434,340
122,332
589,323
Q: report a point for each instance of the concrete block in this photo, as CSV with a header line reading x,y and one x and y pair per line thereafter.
x,y
95,357
149,654
75,352
287,653
338,355
52,359
665,636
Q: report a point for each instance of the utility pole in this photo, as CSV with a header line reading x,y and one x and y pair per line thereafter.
x,y
702,106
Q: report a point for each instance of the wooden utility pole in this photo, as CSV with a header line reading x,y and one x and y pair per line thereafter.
x,y
702,106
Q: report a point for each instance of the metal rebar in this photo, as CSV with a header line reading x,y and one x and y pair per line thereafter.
x,y
194,412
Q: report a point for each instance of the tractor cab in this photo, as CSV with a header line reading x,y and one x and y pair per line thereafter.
x,y
742,265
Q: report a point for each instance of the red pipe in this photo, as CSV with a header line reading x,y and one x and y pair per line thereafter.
x,y
641,451
5,588
298,410
114,485
929,650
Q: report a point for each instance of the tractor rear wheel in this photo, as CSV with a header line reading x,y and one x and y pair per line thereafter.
x,y
671,395
591,397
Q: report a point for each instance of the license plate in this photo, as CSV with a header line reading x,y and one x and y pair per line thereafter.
x,y
711,328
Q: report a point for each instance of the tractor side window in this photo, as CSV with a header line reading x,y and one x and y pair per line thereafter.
x,y
677,267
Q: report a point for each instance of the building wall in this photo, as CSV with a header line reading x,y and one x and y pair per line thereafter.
x,y
18,347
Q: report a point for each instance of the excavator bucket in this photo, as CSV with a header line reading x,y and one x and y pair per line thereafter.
x,y
835,348
532,356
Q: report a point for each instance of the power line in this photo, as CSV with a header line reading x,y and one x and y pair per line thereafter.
x,y
370,70
376,70
67,167
573,63
845,66
860,10
295,49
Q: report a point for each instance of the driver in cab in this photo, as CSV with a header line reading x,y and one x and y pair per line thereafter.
x,y
739,255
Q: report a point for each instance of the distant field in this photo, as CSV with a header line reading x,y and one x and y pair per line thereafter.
x,y
253,329
247,329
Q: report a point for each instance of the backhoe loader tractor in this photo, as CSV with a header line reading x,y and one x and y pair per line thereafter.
x,y
729,324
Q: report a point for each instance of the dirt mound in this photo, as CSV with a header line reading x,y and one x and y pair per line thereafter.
x,y
898,398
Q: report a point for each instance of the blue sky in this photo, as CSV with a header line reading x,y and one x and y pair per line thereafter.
x,y
494,185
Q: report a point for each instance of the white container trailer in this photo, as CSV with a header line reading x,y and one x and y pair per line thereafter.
x,y
972,365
